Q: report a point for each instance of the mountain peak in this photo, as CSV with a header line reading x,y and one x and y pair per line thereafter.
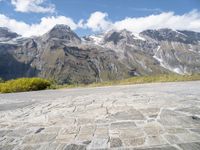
x,y
4,28
61,32
167,35
5,33
61,27
116,36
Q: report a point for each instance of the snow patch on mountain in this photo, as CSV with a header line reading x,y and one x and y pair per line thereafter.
x,y
137,36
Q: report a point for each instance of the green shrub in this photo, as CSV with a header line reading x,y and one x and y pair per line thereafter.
x,y
24,84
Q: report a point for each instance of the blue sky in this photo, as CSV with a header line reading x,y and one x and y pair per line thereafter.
x,y
118,9
112,11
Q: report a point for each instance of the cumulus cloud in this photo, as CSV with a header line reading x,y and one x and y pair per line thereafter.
x,y
36,6
189,21
98,21
27,30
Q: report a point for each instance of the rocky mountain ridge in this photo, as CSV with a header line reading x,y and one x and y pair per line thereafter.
x,y
62,55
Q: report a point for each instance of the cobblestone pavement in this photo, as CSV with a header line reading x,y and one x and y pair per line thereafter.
x,y
161,116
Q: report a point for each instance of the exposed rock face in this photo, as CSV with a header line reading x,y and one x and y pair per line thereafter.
x,y
5,34
187,37
178,51
60,54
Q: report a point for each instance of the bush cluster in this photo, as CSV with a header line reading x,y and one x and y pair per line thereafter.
x,y
24,84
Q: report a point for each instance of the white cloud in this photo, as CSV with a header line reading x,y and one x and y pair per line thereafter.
x,y
45,25
189,21
36,6
13,25
98,21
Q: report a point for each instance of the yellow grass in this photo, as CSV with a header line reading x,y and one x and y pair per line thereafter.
x,y
138,80
32,84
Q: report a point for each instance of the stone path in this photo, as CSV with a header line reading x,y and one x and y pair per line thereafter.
x,y
140,117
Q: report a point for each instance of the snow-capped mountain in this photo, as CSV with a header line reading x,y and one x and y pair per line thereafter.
x,y
62,55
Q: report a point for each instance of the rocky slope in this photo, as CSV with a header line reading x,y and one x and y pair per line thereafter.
x,y
62,55
6,35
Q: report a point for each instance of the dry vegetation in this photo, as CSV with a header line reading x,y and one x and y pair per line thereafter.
x,y
24,84
138,80
33,84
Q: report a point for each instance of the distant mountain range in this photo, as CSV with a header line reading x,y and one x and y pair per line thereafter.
x,y
62,55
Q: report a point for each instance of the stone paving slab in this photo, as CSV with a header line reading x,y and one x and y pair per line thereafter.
x,y
161,116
